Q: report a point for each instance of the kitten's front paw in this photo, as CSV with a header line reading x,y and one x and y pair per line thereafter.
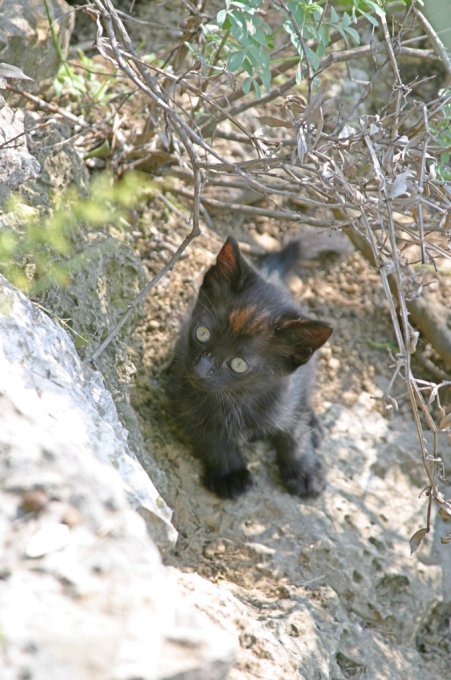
x,y
230,485
316,430
305,477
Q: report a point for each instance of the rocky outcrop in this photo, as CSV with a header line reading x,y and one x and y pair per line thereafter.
x,y
25,37
16,163
83,593
41,168
42,375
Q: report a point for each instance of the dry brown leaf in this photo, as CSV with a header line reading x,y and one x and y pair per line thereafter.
x,y
445,422
445,514
417,540
272,121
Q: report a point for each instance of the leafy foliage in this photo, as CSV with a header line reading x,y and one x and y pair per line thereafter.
x,y
84,84
41,253
248,41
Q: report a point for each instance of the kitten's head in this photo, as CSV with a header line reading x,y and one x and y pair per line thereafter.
x,y
246,333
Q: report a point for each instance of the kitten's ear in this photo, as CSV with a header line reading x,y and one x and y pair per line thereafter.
x,y
300,338
229,268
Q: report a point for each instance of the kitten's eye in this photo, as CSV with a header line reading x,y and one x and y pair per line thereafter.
x,y
238,365
202,334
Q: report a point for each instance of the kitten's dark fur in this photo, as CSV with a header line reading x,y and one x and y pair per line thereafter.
x,y
243,320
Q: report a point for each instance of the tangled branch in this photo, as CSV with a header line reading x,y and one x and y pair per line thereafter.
x,y
374,176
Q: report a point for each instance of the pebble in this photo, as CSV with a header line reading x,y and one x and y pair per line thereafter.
x,y
211,550
348,398
48,539
72,516
34,501
154,324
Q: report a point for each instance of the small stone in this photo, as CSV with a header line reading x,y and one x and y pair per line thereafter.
x,y
333,363
34,501
154,324
72,516
212,550
348,398
48,539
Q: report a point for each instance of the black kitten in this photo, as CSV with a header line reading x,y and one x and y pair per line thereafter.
x,y
243,370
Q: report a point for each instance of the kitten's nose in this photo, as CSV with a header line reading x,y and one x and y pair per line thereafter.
x,y
204,366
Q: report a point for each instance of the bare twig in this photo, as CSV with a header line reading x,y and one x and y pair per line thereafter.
x,y
152,89
436,42
141,295
369,177
286,10
46,106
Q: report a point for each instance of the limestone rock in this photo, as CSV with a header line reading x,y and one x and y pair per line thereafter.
x,y
16,163
61,165
42,375
101,289
25,39
83,593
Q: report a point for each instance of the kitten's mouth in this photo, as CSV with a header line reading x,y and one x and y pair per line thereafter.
x,y
198,382
201,383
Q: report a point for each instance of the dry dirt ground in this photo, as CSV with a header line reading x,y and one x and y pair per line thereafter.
x,y
315,581
323,589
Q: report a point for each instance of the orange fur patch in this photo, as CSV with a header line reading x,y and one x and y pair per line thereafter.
x,y
226,257
243,320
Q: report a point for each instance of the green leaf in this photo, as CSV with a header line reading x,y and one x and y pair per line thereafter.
x,y
235,60
299,74
238,27
247,82
377,9
260,37
221,17
257,89
354,34
266,79
310,32
293,37
298,12
334,18
238,32
255,52
346,21
343,34
313,58
323,35
248,66
371,19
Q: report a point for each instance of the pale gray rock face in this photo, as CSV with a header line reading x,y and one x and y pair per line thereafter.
x,y
83,593
16,163
24,36
41,373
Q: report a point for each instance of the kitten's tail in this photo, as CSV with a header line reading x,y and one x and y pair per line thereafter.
x,y
277,266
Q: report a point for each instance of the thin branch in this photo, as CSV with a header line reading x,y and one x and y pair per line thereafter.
x,y
178,124
140,297
369,178
421,185
436,42
47,106
286,10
